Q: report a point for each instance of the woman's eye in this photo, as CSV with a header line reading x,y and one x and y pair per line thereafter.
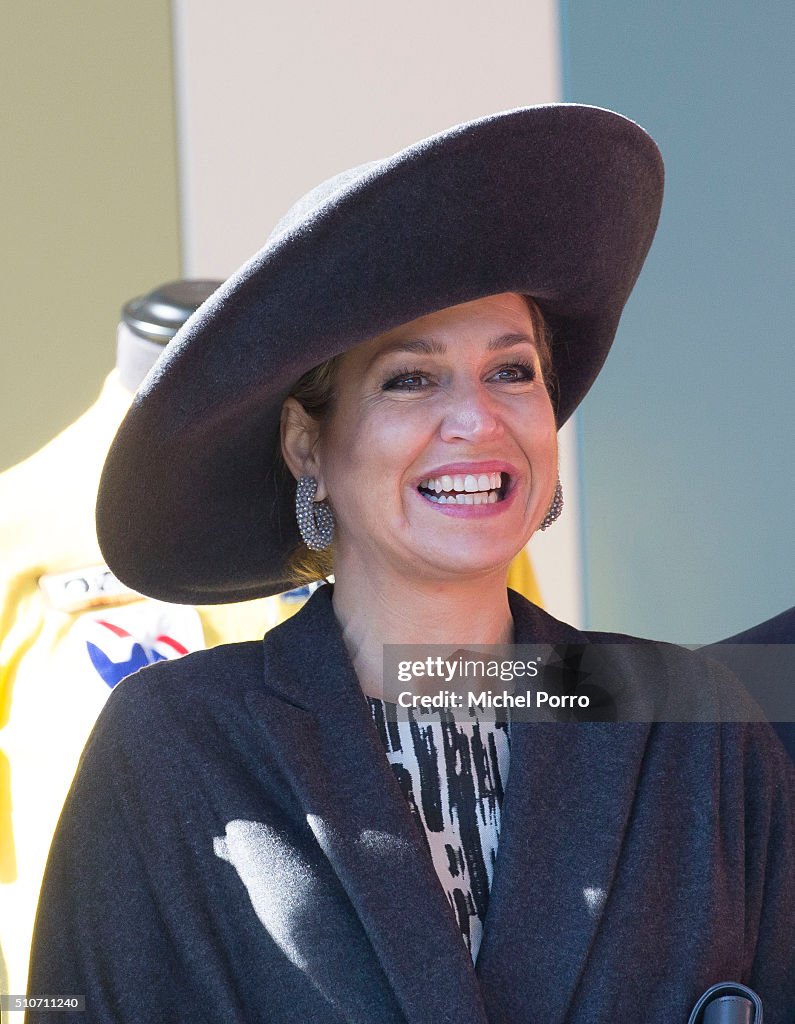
x,y
406,380
516,372
415,380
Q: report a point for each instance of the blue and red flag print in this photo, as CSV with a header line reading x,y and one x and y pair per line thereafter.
x,y
115,653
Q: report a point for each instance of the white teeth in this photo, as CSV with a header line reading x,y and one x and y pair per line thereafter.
x,y
476,498
484,487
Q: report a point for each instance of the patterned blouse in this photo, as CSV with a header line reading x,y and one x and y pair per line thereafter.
x,y
453,776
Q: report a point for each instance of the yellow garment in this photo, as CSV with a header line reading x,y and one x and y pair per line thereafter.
x,y
522,579
67,629
50,692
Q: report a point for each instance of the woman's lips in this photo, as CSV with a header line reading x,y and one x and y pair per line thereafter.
x,y
468,494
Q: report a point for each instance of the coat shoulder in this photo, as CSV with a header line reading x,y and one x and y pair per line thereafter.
x,y
192,695
654,680
201,675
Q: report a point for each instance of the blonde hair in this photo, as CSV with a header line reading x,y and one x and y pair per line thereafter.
x,y
315,392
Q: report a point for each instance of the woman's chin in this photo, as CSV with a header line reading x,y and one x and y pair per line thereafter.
x,y
452,566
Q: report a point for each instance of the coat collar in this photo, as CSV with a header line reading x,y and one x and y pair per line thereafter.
x,y
566,806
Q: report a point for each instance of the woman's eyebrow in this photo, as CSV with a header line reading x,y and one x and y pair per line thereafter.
x,y
508,340
427,347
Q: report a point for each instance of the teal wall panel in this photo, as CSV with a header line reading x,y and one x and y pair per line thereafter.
x,y
687,438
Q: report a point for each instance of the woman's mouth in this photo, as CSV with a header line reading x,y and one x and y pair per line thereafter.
x,y
465,489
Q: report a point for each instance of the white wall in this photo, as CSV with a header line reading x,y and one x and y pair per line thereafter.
x,y
273,98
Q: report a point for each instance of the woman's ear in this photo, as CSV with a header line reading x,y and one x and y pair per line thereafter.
x,y
300,436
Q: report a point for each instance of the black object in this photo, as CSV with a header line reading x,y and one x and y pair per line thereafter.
x,y
159,314
754,670
727,1003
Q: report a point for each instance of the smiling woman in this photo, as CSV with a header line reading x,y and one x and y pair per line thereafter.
x,y
315,392
475,388
375,385
474,403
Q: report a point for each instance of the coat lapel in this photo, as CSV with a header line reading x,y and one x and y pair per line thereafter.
x,y
567,804
320,727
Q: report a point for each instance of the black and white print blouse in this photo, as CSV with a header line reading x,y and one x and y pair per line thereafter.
x,y
453,776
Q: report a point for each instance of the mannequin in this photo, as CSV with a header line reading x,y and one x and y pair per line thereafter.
x,y
64,618
150,321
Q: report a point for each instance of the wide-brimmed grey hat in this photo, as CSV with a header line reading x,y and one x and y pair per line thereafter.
x,y
559,202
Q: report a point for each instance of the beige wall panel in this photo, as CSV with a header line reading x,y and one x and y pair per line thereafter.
x,y
88,187
275,97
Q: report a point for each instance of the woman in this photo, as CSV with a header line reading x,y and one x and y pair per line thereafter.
x,y
235,846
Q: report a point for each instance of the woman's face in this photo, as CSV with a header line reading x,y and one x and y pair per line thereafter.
x,y
439,456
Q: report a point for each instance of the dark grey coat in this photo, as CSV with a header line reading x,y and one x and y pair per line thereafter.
x,y
775,639
235,848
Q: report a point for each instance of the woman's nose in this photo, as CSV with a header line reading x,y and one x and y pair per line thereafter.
x,y
471,415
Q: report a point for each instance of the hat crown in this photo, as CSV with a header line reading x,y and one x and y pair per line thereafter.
x,y
317,197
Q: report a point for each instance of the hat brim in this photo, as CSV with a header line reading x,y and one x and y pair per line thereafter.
x,y
559,202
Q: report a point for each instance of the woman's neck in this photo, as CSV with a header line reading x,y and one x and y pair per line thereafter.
x,y
374,611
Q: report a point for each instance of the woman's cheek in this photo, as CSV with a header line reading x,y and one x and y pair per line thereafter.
x,y
399,435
